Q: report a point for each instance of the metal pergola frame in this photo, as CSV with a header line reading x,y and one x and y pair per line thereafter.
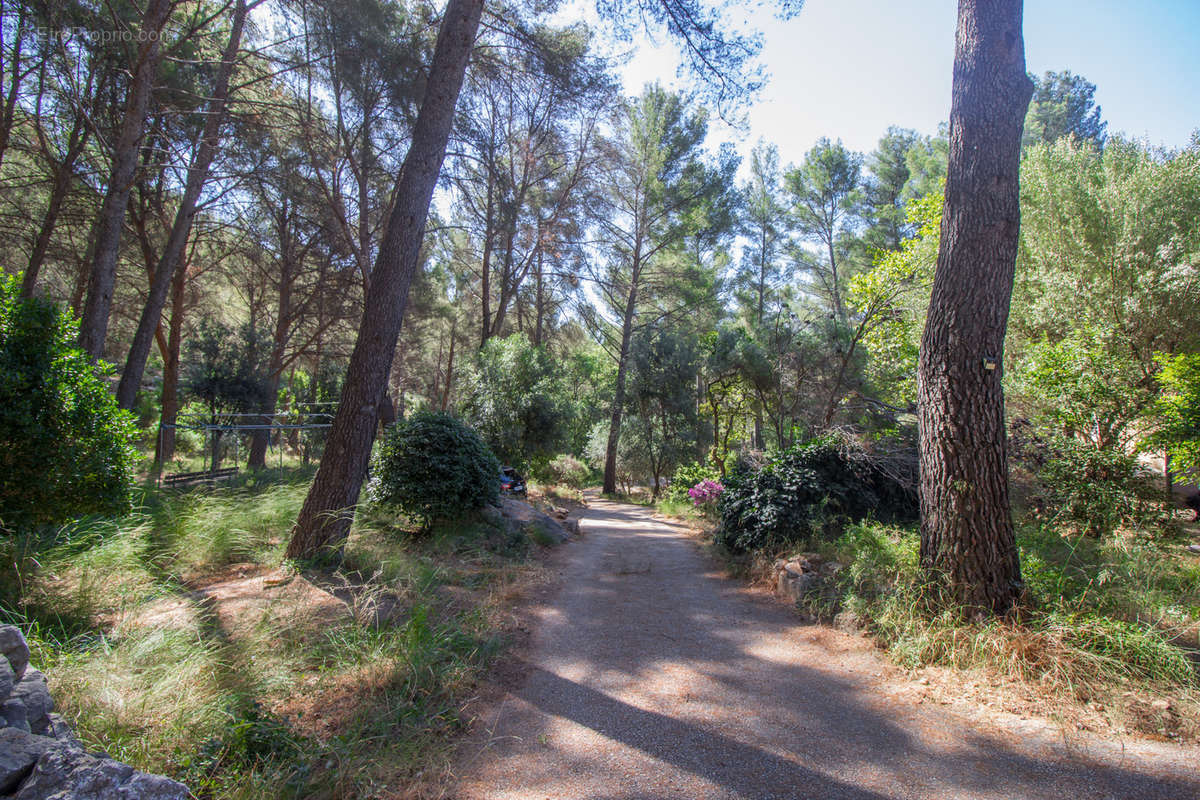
x,y
315,419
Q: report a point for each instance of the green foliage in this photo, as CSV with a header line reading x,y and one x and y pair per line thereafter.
x,y
1178,409
516,401
662,399
1083,385
65,446
896,292
1100,613
223,369
432,466
1063,105
1096,490
1110,248
807,492
566,470
686,476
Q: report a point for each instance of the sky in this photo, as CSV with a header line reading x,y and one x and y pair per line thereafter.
x,y
850,68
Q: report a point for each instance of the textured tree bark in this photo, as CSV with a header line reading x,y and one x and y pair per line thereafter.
x,y
967,540
165,449
328,510
181,228
63,174
618,406
93,326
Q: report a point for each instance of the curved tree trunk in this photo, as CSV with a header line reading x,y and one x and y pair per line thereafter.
x,y
93,326
328,510
967,540
618,406
172,257
165,450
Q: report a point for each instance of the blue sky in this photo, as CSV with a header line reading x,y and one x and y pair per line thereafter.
x,y
849,68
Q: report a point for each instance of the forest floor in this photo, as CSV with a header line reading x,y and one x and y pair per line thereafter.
x,y
648,673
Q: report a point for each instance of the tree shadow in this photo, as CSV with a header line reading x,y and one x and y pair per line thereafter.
x,y
759,721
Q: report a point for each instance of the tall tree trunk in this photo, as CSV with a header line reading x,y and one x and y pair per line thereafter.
x,y
169,398
539,301
93,327
328,510
618,406
9,101
445,403
967,540
58,194
172,257
262,438
485,271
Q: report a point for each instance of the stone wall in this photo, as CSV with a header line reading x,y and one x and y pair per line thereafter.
x,y
40,758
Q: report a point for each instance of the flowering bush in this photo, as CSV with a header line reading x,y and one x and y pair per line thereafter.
x,y
705,493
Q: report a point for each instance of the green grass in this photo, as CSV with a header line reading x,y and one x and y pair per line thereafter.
x,y
1102,618
283,704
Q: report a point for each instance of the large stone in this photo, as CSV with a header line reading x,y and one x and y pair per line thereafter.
x,y
19,751
524,517
14,714
66,773
31,692
7,679
14,648
795,586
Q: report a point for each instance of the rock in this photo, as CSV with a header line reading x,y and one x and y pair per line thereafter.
x,y
798,567
524,517
64,772
14,648
794,586
19,751
7,678
493,516
57,728
32,693
1194,548
14,714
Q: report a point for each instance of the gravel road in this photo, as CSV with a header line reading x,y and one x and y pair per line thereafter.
x,y
650,675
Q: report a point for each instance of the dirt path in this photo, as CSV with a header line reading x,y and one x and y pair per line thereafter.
x,y
649,675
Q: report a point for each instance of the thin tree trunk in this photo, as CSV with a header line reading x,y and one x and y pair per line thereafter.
x,y
967,540
449,367
93,327
58,194
324,521
172,257
170,388
614,428
14,88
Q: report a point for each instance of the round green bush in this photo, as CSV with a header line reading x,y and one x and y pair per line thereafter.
x,y
434,467
65,445
808,492
566,470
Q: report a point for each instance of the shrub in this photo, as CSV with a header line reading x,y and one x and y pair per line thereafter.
x,y
705,493
515,398
568,471
687,476
809,491
433,467
1095,491
65,446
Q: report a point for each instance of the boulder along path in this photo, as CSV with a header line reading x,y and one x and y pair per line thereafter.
x,y
651,675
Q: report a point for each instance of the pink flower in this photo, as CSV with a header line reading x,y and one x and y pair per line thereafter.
x,y
705,492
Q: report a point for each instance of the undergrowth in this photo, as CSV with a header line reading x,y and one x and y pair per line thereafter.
x,y
1103,619
346,699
